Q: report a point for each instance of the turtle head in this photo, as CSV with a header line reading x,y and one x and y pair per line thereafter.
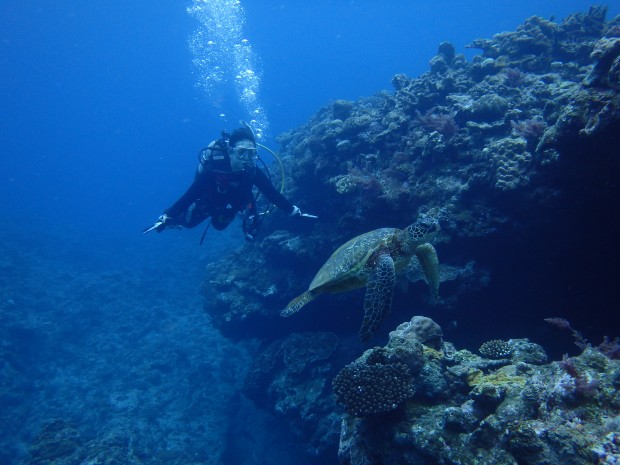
x,y
423,230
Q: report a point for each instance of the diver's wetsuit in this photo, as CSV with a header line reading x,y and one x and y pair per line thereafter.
x,y
221,195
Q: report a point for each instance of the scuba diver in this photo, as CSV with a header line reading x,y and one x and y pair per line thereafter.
x,y
223,186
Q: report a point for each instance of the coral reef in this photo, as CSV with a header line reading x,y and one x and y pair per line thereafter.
x,y
517,150
515,411
99,368
291,377
60,443
423,330
495,144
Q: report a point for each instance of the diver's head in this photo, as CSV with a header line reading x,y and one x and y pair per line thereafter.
x,y
243,152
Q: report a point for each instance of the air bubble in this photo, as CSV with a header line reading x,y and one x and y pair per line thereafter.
x,y
222,63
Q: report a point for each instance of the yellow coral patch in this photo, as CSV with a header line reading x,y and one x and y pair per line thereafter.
x,y
433,354
477,378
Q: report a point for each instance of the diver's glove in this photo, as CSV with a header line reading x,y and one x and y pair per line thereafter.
x,y
297,212
159,225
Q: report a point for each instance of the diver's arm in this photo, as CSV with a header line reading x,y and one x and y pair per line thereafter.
x,y
264,185
183,203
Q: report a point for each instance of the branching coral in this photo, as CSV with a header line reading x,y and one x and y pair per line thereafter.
x,y
609,347
529,129
513,77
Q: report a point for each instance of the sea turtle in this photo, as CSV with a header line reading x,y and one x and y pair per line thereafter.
x,y
372,260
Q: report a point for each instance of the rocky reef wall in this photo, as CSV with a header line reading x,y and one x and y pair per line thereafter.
x,y
516,152
505,406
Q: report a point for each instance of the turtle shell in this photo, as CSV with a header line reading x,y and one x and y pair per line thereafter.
x,y
346,268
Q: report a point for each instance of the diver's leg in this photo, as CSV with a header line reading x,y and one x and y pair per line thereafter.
x,y
193,216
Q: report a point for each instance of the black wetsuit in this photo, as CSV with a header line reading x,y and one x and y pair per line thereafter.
x,y
221,194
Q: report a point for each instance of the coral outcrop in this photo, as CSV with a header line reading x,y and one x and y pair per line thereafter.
x,y
291,377
495,144
467,409
517,151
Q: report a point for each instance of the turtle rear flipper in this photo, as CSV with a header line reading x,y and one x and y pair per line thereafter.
x,y
378,298
427,256
295,305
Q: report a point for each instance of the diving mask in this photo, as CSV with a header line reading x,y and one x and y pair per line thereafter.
x,y
244,152
243,156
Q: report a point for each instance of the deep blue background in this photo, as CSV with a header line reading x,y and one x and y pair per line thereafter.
x,y
100,119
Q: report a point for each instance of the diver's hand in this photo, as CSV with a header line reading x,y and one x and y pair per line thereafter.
x,y
297,212
159,225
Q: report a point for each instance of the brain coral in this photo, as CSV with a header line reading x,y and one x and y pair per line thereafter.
x,y
511,161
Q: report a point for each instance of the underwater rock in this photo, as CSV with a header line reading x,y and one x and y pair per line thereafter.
x,y
515,414
291,377
420,328
522,350
443,60
56,441
60,443
605,54
488,108
342,109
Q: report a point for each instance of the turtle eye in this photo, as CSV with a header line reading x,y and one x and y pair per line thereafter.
x,y
427,224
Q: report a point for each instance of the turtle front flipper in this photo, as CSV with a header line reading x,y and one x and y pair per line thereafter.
x,y
378,298
295,305
427,256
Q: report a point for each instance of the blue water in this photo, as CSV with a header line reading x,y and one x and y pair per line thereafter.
x,y
101,113
101,119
